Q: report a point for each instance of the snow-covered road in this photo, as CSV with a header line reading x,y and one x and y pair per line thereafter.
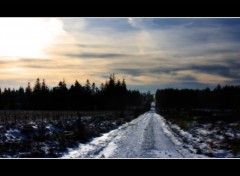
x,y
148,136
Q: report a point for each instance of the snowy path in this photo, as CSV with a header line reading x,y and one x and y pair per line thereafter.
x,y
145,137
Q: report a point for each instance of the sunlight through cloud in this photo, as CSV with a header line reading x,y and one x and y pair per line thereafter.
x,y
27,37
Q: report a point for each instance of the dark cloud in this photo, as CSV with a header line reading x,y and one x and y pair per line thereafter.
x,y
29,63
98,55
135,69
36,63
230,69
93,46
221,51
130,71
33,63
165,70
188,79
2,62
148,71
36,66
34,60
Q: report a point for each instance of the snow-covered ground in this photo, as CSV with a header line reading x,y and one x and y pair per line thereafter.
x,y
216,140
147,136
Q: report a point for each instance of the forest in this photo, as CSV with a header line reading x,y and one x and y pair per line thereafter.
x,y
113,95
226,97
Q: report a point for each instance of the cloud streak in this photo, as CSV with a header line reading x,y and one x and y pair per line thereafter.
x,y
98,55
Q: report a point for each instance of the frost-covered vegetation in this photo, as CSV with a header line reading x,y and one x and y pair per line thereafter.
x,y
48,134
206,120
214,133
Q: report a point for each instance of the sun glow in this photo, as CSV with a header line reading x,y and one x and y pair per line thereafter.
x,y
28,37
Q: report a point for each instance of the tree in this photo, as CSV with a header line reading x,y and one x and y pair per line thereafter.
x,y
28,98
124,86
28,89
45,97
102,87
1,98
93,89
37,86
87,86
112,80
118,83
111,96
62,85
37,95
20,98
44,87
77,85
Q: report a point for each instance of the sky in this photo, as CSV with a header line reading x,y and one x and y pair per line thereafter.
x,y
149,53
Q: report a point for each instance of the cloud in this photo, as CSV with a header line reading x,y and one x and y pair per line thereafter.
x,y
230,70
129,71
94,46
73,24
97,55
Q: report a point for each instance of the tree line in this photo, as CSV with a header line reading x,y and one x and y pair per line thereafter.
x,y
113,95
226,97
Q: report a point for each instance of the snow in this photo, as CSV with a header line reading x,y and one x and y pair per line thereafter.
x,y
147,136
108,151
14,134
53,129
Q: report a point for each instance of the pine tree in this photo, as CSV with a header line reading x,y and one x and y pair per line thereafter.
x,y
37,86
118,83
0,98
64,85
93,89
112,80
87,86
77,85
28,89
44,87
124,86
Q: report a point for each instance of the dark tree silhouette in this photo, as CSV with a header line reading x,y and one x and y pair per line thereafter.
x,y
113,95
226,97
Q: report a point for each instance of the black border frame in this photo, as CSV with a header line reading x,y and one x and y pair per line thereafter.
x,y
116,8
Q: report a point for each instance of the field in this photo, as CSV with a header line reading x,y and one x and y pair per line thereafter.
x,y
212,132
48,134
